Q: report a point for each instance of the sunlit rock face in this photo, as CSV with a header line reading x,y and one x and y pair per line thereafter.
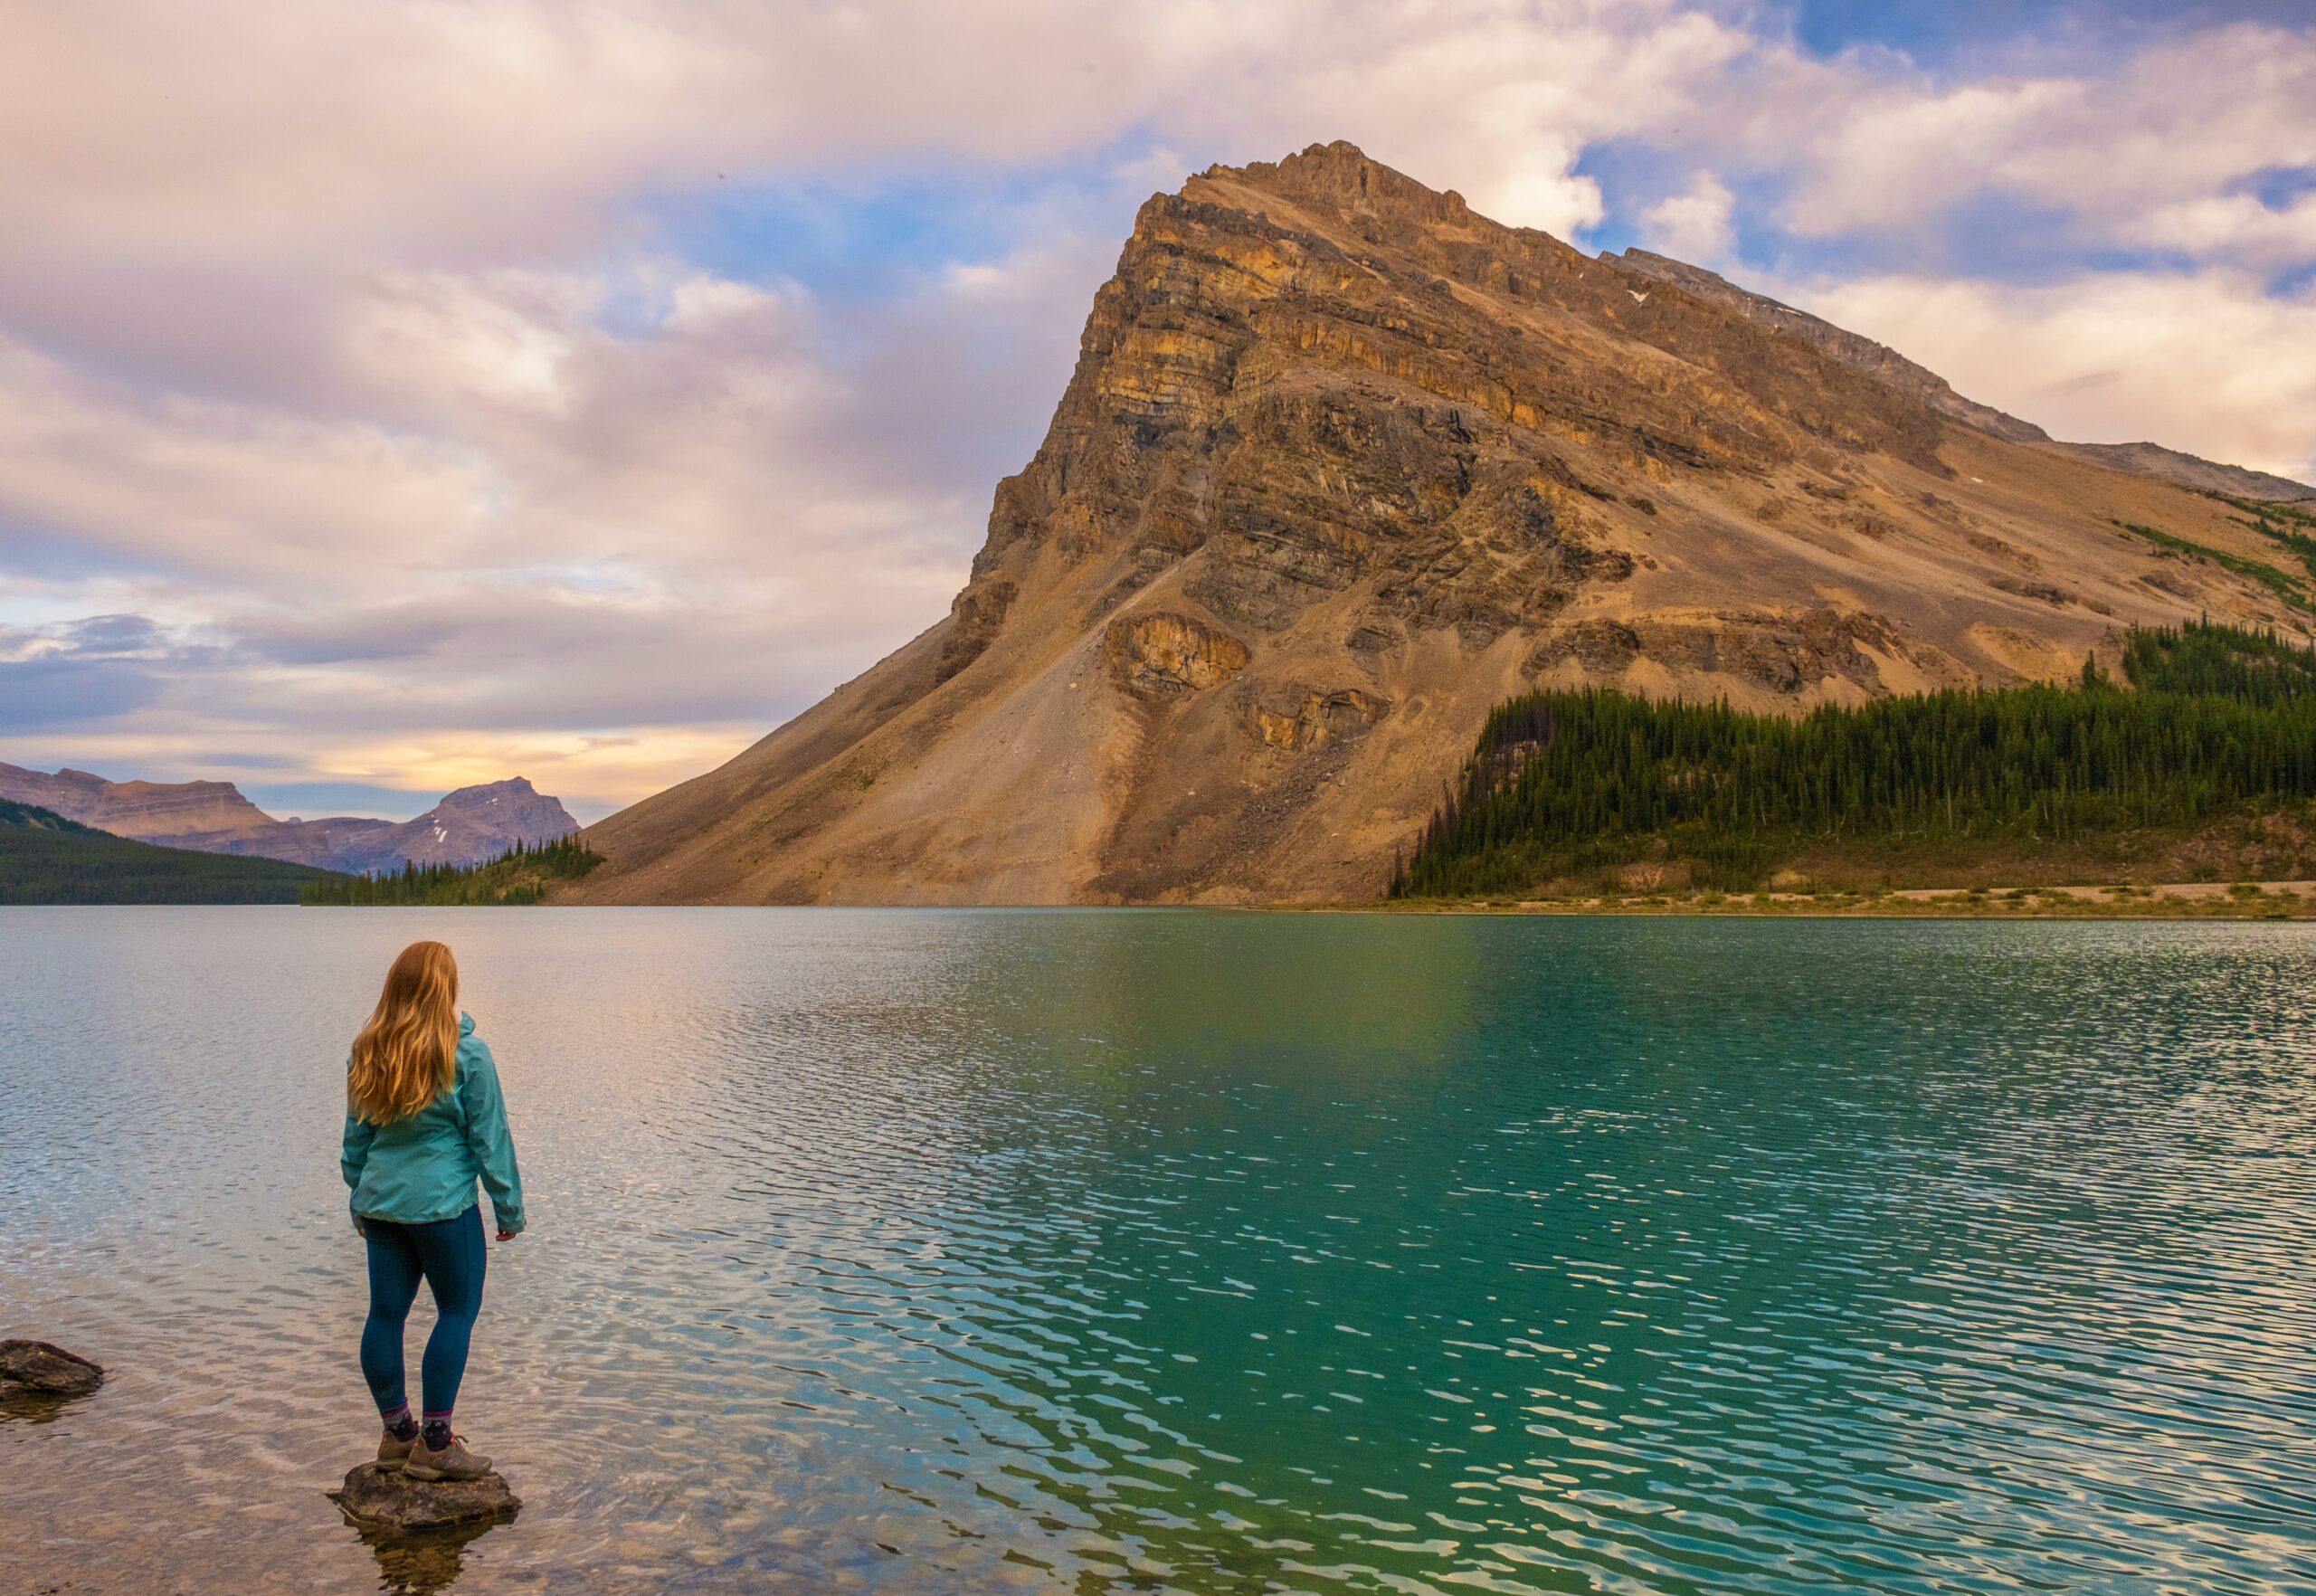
x,y
150,811
1160,657
1343,464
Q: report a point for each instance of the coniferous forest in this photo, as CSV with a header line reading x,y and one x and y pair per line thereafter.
x,y
45,859
2211,724
519,876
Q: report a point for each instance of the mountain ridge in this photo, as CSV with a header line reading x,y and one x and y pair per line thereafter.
x,y
1342,465
2189,470
468,826
46,858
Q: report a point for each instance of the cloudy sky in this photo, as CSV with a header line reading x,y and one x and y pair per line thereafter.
x,y
398,394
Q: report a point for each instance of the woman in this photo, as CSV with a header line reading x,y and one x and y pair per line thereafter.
x,y
424,1119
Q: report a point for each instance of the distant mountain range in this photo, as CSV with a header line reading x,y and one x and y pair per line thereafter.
x,y
46,859
467,827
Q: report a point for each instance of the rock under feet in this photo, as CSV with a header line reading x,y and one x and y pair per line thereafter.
x,y
383,1499
37,1369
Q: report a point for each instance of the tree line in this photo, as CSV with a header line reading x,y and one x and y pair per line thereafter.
x,y
519,876
46,859
1566,782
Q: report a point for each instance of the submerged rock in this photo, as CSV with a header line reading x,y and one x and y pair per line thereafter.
x,y
38,1369
380,1500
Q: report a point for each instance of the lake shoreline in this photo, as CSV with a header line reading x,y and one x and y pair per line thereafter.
x,y
2190,900
2184,901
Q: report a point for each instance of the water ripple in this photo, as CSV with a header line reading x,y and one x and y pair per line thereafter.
x,y
1172,1252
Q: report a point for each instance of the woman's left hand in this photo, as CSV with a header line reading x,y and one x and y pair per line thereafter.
x,y
507,1235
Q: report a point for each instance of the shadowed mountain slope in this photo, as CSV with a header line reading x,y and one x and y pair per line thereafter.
x,y
1343,464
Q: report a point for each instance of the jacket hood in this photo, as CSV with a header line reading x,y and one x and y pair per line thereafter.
x,y
465,1023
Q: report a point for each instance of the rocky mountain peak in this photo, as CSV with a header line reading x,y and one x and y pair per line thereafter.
x,y
513,789
472,825
1342,464
1343,179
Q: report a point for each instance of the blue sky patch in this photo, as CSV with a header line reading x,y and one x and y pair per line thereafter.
x,y
1982,36
318,799
872,237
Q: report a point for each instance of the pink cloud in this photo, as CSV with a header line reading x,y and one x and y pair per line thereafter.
x,y
308,342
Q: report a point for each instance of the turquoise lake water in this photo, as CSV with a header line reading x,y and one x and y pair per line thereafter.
x,y
1171,1251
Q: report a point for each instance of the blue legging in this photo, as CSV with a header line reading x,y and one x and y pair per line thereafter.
x,y
447,1255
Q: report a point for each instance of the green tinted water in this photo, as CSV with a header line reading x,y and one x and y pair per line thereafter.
x,y
1055,1251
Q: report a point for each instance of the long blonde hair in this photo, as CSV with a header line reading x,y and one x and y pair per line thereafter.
x,y
408,1054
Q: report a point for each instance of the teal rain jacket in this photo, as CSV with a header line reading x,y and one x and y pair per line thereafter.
x,y
423,1169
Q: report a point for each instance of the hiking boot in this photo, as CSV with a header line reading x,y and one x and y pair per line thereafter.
x,y
392,1453
452,1462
